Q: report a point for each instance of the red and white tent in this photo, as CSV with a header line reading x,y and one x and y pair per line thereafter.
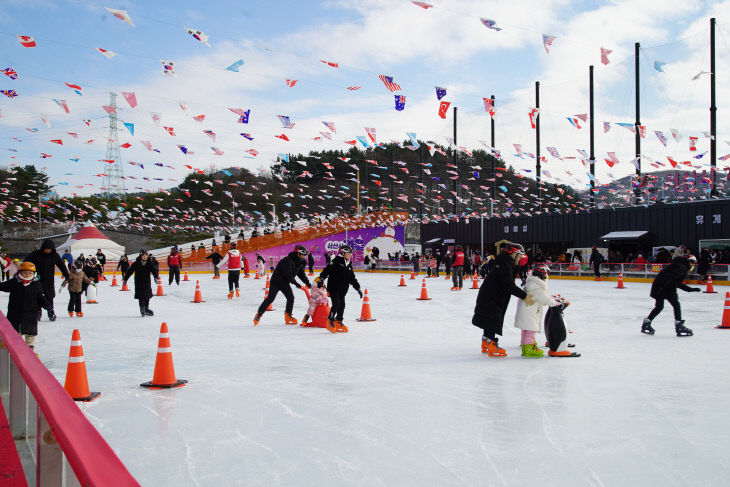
x,y
88,240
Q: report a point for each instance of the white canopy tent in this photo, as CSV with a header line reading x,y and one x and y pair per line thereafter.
x,y
88,240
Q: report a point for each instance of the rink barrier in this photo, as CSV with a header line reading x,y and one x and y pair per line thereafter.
x,y
64,445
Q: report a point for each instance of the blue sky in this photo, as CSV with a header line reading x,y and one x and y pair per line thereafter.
x,y
442,46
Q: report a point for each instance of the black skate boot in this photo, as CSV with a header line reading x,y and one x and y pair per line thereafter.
x,y
142,311
646,327
682,331
148,312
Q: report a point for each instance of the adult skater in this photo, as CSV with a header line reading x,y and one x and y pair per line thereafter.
x,y
46,259
284,274
340,276
494,296
457,269
215,258
174,264
123,264
143,268
664,287
596,260
233,259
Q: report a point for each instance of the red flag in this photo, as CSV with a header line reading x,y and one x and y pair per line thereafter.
x,y
291,82
57,141
489,106
329,63
693,143
282,137
131,98
443,108
26,41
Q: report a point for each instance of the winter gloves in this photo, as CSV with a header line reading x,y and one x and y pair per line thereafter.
x,y
695,290
359,292
51,314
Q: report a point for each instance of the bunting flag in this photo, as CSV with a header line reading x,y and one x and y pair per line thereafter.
x,y
109,109
628,126
244,116
62,104
489,106
604,55
353,88
371,134
574,122
329,63
693,143
291,82
659,66
331,126
423,5
554,152
10,73
547,42
518,149
676,135
363,141
443,108
168,68
217,151
76,88
414,141
248,136
235,66
156,118
606,127
197,35
533,116
389,84
57,141
121,15
326,135
282,137
400,102
130,127
642,131
9,93
612,159
199,118
105,52
130,98
660,135
170,130
210,134
285,121
490,24
26,41
440,92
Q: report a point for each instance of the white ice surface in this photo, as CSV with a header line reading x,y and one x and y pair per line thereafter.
x,y
407,399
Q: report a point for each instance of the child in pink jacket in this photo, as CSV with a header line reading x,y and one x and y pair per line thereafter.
x,y
318,296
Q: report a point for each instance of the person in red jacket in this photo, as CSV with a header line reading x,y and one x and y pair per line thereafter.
x,y
233,258
174,263
246,269
522,267
457,270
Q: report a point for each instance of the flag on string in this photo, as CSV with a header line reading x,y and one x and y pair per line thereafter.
x,y
443,108
533,116
363,141
198,35
660,135
285,121
628,126
329,63
291,82
371,133
10,73
130,127
412,137
606,127
389,84
489,106
423,5
168,68
130,98
156,118
642,131
490,24
62,104
693,143
440,92
109,109
9,93
76,88
217,151
244,116
199,118
331,126
170,130
604,55
554,152
121,15
676,135
247,135
353,88
235,66
210,134
574,122
400,102
282,137
612,159
26,41
659,66
326,135
105,52
518,149
547,42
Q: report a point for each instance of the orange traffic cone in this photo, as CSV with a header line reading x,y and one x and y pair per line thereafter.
x,y
402,281
413,276
198,297
76,383
725,313
266,295
710,289
268,283
124,286
185,278
114,280
620,281
102,277
474,283
257,275
164,375
365,313
160,291
424,292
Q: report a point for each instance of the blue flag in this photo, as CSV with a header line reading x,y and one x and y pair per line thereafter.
x,y
400,102
658,66
244,117
130,127
235,66
248,136
363,141
414,142
440,92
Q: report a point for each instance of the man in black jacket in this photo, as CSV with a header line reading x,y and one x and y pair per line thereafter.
x,y
494,295
143,268
340,276
664,287
46,259
596,260
286,271
26,300
216,258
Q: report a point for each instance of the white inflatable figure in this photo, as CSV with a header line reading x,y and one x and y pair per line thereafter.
x,y
91,294
386,243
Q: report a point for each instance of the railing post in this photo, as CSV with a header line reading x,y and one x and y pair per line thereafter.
x,y
49,456
4,375
18,403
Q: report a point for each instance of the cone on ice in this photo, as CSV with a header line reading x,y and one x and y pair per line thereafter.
x,y
198,297
413,276
185,278
725,313
91,294
257,275
268,282
76,384
402,281
620,281
474,283
365,314
164,375
709,289
424,292
160,291
124,286
114,280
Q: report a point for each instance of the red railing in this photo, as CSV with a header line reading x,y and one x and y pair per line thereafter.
x,y
56,425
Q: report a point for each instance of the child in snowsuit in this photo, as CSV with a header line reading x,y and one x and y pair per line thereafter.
x,y
318,296
341,276
143,268
76,282
664,287
26,301
529,318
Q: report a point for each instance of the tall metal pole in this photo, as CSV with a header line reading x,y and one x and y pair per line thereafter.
x,y
537,143
422,188
637,136
494,160
358,190
592,138
713,111
455,158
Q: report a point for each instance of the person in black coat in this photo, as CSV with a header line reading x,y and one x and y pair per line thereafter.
x,y
46,259
143,268
703,264
596,259
216,258
664,287
123,264
494,295
310,263
340,276
25,301
284,274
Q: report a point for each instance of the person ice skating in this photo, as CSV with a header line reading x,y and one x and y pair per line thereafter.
x,y
233,259
123,263
457,269
174,264
246,268
91,270
494,295
665,287
317,297
340,276
215,258
529,318
284,274
101,259
310,262
25,302
46,259
77,282
596,260
260,265
522,266
68,258
143,268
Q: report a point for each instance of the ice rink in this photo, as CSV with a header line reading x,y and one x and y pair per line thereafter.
x,y
407,399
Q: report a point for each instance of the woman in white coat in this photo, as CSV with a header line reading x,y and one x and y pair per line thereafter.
x,y
529,318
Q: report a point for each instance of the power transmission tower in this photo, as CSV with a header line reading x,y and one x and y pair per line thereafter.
x,y
113,182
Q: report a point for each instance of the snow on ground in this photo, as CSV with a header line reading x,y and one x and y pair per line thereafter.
x,y
405,400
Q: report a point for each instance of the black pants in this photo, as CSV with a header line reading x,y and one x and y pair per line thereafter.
x,y
659,306
216,271
457,275
144,303
173,273
273,291
597,270
74,301
311,268
337,311
233,277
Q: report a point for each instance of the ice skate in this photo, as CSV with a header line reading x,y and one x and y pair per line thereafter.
x,y
681,330
532,351
491,348
290,320
238,293
646,327
256,319
340,327
454,288
71,314
142,311
331,326
230,295
79,314
148,312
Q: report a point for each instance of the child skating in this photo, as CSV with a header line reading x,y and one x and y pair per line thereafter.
x,y
317,297
665,287
341,276
529,317
76,281
26,301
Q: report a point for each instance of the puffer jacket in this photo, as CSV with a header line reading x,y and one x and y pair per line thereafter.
x,y
530,317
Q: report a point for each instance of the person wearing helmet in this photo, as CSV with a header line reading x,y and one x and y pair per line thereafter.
x,y
340,276
46,259
494,295
457,269
233,259
26,301
143,268
174,264
665,287
529,318
285,272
